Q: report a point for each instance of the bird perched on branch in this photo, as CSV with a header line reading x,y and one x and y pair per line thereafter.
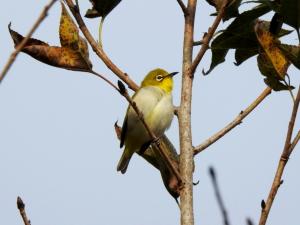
x,y
154,100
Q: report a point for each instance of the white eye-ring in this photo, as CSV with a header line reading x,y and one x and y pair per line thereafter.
x,y
159,77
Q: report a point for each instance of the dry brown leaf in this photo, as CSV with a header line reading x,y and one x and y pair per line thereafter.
x,y
52,55
269,45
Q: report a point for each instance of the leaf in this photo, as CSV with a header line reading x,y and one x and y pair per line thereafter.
x,y
101,8
292,52
231,11
69,35
68,31
238,35
266,68
218,57
269,44
55,56
290,11
277,85
241,55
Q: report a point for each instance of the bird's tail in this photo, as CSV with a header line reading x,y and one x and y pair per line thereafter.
x,y
124,161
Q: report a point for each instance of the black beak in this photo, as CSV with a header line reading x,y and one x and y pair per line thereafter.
x,y
172,74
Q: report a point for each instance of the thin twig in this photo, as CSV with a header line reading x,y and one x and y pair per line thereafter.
x,y
208,36
295,141
98,49
155,139
287,150
21,207
183,7
20,46
234,123
105,79
218,195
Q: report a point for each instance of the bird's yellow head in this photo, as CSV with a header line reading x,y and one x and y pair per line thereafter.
x,y
159,78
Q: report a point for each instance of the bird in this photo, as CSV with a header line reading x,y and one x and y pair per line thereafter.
x,y
154,100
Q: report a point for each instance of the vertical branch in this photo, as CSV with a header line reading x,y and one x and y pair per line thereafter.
x,y
184,115
287,150
14,55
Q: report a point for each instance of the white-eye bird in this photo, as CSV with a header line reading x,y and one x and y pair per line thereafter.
x,y
154,100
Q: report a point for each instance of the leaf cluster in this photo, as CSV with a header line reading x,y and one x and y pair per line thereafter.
x,y
249,36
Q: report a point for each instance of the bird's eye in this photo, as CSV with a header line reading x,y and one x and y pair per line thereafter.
x,y
159,77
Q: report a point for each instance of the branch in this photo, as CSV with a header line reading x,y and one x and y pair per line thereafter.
x,y
21,207
208,36
98,49
183,7
287,150
238,120
186,165
18,48
218,195
155,140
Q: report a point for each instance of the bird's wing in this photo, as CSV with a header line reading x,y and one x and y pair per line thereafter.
x,y
147,99
123,131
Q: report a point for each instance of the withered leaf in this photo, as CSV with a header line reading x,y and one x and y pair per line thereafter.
x,y
269,45
73,55
61,57
69,35
68,31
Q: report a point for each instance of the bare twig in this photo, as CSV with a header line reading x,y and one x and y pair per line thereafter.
x,y
214,180
186,164
105,79
21,207
183,7
234,123
208,36
155,139
20,46
287,150
98,49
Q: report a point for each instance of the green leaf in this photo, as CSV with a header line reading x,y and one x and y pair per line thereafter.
x,y
218,57
290,11
231,11
292,52
238,35
101,8
241,55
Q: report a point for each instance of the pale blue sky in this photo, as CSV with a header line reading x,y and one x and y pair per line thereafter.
x,y
58,148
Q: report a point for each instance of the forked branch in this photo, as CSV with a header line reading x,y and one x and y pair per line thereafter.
x,y
183,7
